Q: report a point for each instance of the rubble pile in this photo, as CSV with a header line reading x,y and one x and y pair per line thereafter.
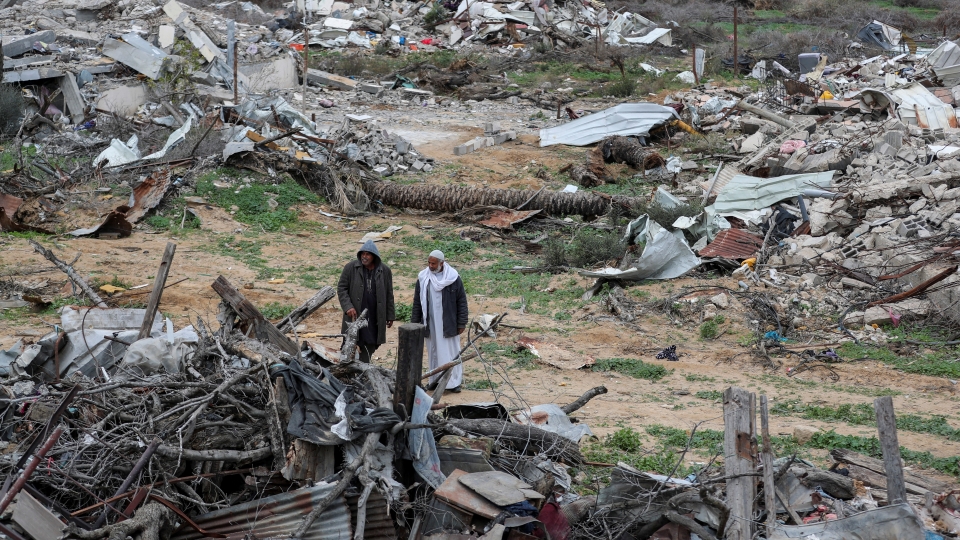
x,y
118,426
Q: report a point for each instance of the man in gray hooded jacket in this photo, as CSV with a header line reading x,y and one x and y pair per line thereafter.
x,y
367,283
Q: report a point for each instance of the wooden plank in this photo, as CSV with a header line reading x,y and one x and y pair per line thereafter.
x,y
739,451
154,302
263,330
887,428
34,518
769,486
295,317
410,338
916,483
72,97
879,480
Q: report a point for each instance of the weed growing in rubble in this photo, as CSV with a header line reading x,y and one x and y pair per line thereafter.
x,y
623,88
403,311
264,205
633,367
626,439
275,310
593,246
483,384
709,330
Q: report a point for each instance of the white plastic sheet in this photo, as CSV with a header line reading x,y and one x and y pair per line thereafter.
x,y
168,352
556,421
423,449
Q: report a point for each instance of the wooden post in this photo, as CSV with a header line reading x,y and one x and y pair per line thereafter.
x,y
887,428
736,59
158,284
769,487
263,330
739,459
409,366
696,76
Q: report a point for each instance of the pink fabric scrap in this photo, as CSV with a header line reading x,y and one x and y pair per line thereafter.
x,y
789,147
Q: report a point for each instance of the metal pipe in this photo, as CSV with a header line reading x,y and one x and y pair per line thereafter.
x,y
28,470
763,113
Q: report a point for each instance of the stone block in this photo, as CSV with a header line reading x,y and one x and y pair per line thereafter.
x,y
374,89
803,434
329,79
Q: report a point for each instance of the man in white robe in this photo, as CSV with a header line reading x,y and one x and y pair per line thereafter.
x,y
440,303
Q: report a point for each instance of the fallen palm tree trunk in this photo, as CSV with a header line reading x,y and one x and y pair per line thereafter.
x,y
619,149
456,198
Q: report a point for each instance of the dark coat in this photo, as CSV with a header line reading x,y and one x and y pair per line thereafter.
x,y
350,293
454,302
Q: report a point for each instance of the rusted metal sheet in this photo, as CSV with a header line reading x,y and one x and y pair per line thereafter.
x,y
733,244
460,496
115,225
379,525
8,207
506,219
278,517
148,194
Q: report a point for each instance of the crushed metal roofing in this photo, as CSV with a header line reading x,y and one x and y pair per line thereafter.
x,y
624,119
379,525
733,244
277,516
745,193
947,54
919,107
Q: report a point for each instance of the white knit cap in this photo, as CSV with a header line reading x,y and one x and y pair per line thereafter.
x,y
437,254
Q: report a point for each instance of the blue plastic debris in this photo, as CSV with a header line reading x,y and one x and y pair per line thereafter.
x,y
774,336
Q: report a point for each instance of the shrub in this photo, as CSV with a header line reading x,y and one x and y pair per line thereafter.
x,y
435,16
592,246
11,110
632,367
554,253
625,439
622,88
403,312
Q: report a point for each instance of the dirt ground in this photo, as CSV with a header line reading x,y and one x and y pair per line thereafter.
x,y
590,332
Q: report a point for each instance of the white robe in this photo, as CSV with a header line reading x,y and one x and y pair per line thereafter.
x,y
441,350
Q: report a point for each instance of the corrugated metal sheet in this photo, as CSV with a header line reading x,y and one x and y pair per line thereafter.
x,y
733,244
625,119
277,516
657,34
745,193
919,107
379,525
947,54
948,75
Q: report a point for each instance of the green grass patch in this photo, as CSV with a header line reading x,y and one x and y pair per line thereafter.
x,y
709,395
484,384
633,367
863,414
403,311
940,363
14,314
249,252
269,206
521,358
451,245
498,280
275,310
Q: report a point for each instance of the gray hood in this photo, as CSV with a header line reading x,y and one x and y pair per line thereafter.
x,y
370,247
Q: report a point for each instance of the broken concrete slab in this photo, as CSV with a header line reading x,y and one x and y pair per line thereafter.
x,y
197,37
316,76
30,61
278,74
123,100
374,89
28,75
14,46
79,37
166,36
136,53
